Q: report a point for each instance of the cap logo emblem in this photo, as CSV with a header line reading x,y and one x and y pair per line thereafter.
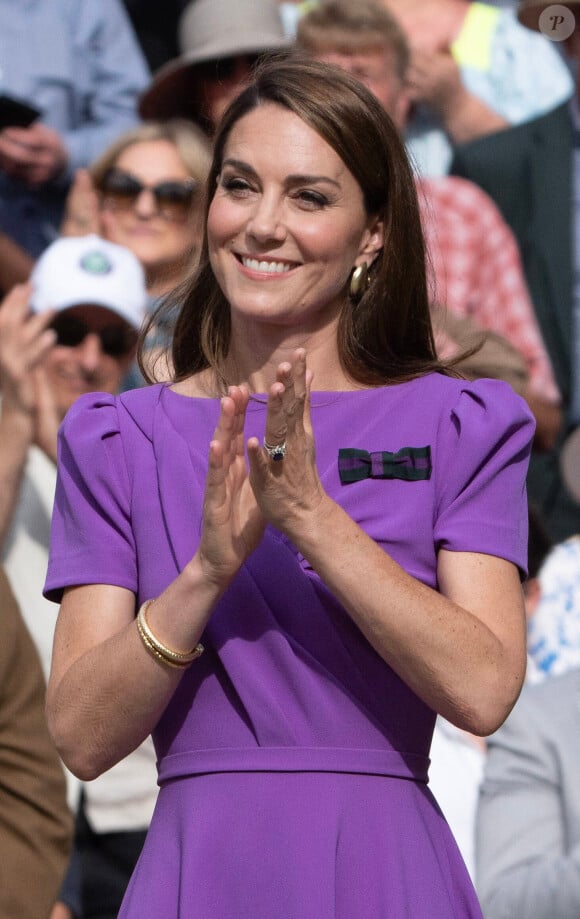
x,y
96,263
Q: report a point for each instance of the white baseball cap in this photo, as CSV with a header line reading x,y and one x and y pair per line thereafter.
x,y
89,270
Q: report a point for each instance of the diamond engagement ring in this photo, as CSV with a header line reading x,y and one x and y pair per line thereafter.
x,y
276,452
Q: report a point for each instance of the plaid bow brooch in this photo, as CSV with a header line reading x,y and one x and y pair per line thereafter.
x,y
411,464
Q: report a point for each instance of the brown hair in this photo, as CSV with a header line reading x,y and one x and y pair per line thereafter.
x,y
387,336
347,27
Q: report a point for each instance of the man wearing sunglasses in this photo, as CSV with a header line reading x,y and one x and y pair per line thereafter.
x,y
73,329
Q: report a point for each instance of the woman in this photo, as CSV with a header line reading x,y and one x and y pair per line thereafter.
x,y
354,575
151,185
147,192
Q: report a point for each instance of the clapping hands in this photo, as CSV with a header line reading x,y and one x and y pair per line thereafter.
x,y
25,341
241,495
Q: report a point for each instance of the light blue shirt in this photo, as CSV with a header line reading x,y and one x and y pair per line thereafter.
x,y
526,77
79,61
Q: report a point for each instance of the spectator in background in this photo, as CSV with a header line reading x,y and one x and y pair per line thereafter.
x,y
88,299
474,70
35,822
79,62
220,40
147,192
528,825
532,171
528,828
474,259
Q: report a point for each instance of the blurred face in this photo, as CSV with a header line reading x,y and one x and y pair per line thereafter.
x,y
223,81
376,68
287,223
93,352
149,206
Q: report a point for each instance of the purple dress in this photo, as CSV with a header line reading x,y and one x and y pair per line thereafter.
x,y
292,760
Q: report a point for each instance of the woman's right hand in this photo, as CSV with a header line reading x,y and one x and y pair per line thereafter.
x,y
233,525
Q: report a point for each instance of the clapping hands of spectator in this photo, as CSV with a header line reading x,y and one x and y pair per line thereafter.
x,y
25,341
35,154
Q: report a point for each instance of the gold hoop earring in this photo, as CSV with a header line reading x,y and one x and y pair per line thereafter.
x,y
359,281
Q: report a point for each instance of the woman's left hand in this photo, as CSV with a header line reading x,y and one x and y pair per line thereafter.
x,y
287,490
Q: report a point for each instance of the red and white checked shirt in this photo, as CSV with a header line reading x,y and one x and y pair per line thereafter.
x,y
476,270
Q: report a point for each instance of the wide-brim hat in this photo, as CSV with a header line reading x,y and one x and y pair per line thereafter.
x,y
210,30
529,11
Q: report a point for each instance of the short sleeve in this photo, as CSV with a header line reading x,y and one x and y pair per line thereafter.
x,y
484,447
91,537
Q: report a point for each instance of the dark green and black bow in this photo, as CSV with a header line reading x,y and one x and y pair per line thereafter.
x,y
411,464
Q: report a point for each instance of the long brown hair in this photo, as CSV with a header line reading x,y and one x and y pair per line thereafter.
x,y
386,337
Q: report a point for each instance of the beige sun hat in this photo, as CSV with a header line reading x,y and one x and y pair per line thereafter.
x,y
211,30
529,11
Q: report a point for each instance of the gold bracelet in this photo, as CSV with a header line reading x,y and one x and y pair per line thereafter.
x,y
151,649
161,651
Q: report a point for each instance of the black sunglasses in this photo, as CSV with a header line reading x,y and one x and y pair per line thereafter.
x,y
116,340
173,198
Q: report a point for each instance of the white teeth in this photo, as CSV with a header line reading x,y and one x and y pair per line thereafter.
x,y
268,267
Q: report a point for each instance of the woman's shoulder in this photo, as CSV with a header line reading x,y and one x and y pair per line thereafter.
x,y
441,399
442,391
471,420
102,413
490,394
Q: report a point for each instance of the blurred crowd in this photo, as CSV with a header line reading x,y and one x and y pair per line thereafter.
x,y
107,112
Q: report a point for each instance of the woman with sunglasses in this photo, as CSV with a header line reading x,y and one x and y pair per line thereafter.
x,y
146,192
284,562
150,188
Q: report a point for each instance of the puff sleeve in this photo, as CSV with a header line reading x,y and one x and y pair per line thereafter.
x,y
485,446
91,537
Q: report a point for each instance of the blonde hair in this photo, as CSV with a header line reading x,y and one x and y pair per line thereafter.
x,y
193,148
192,145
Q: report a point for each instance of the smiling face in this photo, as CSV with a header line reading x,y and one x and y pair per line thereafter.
x,y
73,370
161,244
287,224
